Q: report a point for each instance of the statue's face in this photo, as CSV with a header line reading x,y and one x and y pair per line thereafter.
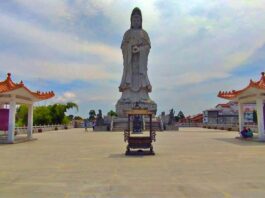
x,y
136,21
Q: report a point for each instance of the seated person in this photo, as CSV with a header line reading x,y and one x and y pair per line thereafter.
x,y
244,132
249,133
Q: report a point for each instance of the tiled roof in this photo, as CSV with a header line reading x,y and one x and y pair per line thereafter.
x,y
233,94
223,105
8,85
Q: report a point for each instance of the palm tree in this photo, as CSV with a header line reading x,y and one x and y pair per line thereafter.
x,y
71,105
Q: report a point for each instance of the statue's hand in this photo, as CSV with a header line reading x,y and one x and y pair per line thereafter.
x,y
135,49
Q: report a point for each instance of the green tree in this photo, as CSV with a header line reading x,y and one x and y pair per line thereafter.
x,y
181,115
92,115
71,117
42,115
78,118
112,113
255,118
22,115
58,111
71,105
176,118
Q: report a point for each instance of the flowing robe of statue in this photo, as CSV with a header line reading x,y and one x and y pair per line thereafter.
x,y
135,78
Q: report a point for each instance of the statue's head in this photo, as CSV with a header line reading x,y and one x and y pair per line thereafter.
x,y
136,19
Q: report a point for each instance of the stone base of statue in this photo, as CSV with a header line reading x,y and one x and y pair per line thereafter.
x,y
123,106
119,124
101,128
171,127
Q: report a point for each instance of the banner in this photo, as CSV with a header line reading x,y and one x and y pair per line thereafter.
x,y
4,113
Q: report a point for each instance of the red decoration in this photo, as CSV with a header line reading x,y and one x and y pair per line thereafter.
x,y
4,114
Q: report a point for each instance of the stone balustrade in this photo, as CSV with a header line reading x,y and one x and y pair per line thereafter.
x,y
230,127
43,128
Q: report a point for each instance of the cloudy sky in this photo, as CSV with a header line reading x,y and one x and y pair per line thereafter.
x,y
73,48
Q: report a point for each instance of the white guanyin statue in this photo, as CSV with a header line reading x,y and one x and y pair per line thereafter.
x,y
135,84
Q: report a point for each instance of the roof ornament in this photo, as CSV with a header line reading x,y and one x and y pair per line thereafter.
x,y
9,75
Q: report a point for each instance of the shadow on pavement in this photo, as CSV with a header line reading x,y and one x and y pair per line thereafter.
x,y
122,155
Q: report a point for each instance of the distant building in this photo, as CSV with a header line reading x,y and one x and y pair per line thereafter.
x,y
198,118
222,114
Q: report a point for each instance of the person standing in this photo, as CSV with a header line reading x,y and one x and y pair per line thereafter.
x,y
86,124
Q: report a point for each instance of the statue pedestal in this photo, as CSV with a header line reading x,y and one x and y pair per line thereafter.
x,y
123,106
101,128
171,127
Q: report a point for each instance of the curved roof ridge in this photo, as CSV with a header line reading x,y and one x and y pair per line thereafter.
x,y
8,85
252,84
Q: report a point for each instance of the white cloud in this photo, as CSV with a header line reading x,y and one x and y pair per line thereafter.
x,y
66,97
61,71
117,13
203,40
187,78
49,8
62,42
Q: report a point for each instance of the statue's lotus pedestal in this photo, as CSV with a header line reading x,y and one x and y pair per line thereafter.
x,y
123,106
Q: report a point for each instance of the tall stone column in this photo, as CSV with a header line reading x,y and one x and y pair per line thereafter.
x,y
260,115
11,120
30,120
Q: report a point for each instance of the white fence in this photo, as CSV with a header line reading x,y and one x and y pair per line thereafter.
x,y
189,124
43,128
230,127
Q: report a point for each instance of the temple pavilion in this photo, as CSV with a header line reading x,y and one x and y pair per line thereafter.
x,y
12,94
254,93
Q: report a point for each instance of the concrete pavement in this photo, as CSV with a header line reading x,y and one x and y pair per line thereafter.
x,y
193,162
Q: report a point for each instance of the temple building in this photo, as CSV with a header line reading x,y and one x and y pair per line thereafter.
x,y
198,118
226,113
254,93
12,94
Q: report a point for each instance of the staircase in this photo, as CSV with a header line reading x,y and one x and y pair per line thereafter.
x,y
119,124
156,125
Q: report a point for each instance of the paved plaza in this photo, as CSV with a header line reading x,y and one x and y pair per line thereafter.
x,y
193,162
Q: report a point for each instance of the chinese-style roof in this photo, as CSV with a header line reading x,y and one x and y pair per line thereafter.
x,y
8,85
226,105
196,117
193,118
252,84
